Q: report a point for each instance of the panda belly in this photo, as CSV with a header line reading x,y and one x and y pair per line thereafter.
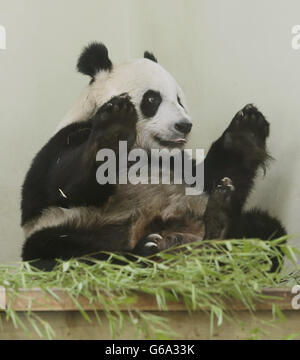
x,y
135,209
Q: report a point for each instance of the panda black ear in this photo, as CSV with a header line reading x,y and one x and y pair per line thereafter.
x,y
94,58
150,56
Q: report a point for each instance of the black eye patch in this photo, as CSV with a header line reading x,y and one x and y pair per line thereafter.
x,y
150,103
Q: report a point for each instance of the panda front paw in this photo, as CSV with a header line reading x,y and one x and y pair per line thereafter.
x,y
116,118
248,127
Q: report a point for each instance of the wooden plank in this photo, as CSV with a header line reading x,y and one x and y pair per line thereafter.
x,y
38,301
70,325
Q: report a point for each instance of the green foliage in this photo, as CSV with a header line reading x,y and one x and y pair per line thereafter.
x,y
208,276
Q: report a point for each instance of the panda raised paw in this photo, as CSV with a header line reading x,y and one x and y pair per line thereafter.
x,y
117,115
248,122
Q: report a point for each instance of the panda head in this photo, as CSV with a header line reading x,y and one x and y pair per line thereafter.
x,y
163,120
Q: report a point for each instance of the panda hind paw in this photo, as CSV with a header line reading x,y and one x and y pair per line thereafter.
x,y
250,120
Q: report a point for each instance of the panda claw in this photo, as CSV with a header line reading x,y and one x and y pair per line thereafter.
x,y
225,188
151,244
153,241
249,107
226,181
109,107
154,237
125,96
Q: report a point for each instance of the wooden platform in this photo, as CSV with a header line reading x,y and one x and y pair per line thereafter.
x,y
68,323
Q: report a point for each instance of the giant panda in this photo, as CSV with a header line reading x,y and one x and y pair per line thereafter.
x,y
66,213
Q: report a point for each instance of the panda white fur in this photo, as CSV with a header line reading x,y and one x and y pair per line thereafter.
x,y
142,79
66,213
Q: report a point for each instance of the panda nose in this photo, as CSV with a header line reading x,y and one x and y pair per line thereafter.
x,y
183,126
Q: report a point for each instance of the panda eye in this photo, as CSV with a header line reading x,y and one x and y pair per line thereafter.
x,y
150,103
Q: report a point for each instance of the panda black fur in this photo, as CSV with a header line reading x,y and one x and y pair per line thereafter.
x,y
66,213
